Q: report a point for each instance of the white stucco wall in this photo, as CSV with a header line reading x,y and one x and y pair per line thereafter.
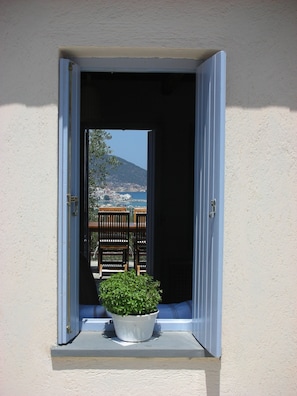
x,y
260,250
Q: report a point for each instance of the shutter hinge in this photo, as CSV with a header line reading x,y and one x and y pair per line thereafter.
x,y
72,200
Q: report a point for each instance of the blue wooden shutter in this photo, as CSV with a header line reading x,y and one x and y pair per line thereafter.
x,y
209,202
68,210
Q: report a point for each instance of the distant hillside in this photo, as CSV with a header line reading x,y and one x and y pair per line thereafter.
x,y
127,177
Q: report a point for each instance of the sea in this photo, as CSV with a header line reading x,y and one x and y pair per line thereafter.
x,y
137,200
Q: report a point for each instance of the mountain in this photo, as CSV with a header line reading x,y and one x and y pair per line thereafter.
x,y
126,177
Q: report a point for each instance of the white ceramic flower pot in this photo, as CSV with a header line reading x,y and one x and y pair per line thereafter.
x,y
134,328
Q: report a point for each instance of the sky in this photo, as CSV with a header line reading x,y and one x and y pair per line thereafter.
x,y
130,145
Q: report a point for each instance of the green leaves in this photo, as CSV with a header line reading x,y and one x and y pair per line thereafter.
x,y
100,159
125,293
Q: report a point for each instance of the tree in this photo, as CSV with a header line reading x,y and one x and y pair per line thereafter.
x,y
100,159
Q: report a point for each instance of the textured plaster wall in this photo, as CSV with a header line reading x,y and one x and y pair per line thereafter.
x,y
260,249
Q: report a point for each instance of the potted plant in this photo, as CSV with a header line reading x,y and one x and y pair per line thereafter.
x,y
132,301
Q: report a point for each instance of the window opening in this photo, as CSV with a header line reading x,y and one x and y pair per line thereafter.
x,y
164,102
208,171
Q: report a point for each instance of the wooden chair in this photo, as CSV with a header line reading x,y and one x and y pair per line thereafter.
x,y
113,241
140,243
106,209
136,211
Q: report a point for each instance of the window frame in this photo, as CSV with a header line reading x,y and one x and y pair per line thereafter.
x,y
65,285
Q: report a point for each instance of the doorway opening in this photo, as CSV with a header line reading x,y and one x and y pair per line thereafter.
x,y
117,181
163,103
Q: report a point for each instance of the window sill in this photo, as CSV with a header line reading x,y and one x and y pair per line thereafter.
x,y
105,344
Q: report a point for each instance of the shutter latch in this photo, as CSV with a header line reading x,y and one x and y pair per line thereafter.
x,y
213,204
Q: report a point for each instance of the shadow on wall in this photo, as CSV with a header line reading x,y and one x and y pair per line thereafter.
x,y
257,89
211,367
